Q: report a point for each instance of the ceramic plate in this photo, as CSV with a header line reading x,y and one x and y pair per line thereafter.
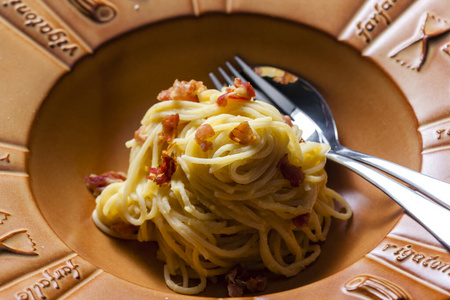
x,y
77,76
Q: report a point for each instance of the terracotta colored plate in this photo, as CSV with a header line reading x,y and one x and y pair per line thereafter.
x,y
77,76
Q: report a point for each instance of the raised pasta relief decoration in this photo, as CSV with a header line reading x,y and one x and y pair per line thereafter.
x,y
376,287
3,217
97,10
413,52
16,241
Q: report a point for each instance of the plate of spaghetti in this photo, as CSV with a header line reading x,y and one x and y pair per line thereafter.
x,y
220,180
201,193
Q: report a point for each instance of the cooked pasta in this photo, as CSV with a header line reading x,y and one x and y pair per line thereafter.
x,y
220,180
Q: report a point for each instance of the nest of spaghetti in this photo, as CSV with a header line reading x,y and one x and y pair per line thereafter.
x,y
220,180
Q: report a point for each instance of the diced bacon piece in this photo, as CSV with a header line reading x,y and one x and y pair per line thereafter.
x,y
222,100
301,220
288,120
240,91
202,133
243,134
290,172
97,183
256,284
240,280
163,174
169,127
235,290
243,90
183,90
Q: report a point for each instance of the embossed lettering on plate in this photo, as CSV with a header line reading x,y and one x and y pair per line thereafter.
x,y
435,135
372,19
5,158
379,15
407,252
52,281
413,52
442,133
40,24
97,10
419,261
376,288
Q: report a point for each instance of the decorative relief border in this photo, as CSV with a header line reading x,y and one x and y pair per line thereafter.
x,y
372,20
99,11
12,158
53,281
413,52
375,286
35,21
420,262
17,240
379,17
435,135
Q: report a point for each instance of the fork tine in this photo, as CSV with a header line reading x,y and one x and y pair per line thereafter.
x,y
227,78
234,71
215,81
219,85
279,99
258,94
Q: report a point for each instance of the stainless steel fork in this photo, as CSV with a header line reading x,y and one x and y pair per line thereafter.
x,y
432,216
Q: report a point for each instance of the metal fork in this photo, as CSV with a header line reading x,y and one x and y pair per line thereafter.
x,y
424,210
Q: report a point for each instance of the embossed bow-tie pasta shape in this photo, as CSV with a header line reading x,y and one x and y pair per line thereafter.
x,y
16,241
413,52
3,217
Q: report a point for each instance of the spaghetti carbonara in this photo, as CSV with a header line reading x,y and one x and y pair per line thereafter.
x,y
218,179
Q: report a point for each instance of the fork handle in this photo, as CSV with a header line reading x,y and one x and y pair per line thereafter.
x,y
432,216
437,190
